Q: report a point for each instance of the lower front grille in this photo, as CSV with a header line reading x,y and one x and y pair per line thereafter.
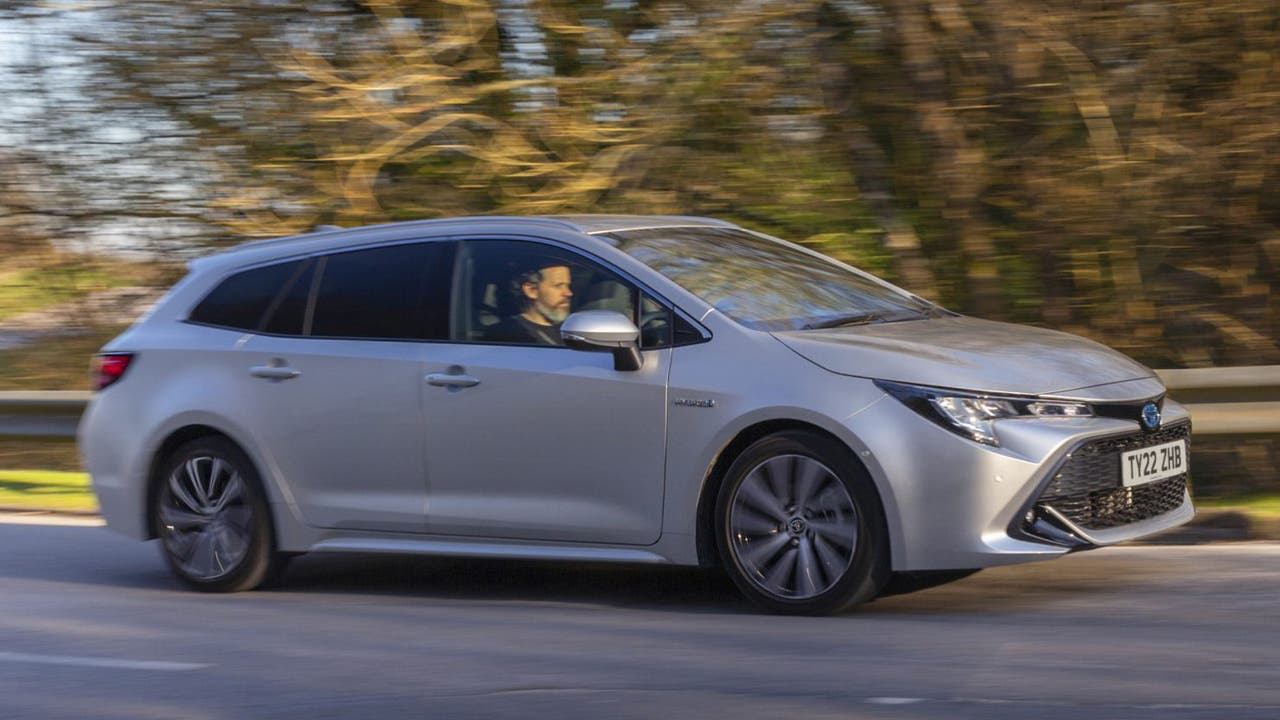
x,y
1087,488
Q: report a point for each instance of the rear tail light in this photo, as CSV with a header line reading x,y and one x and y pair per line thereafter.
x,y
109,367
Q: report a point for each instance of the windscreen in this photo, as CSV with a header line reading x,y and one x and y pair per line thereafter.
x,y
766,284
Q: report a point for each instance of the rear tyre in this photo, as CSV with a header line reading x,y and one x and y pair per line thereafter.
x,y
212,518
799,526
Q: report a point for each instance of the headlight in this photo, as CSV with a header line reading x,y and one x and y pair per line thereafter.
x,y
972,414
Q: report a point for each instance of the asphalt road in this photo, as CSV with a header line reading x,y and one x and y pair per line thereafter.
x,y
91,625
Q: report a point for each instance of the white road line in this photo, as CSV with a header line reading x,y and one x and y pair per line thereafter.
x,y
894,700
100,662
21,518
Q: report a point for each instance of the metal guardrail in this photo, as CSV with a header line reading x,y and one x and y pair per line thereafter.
x,y
41,414
1223,401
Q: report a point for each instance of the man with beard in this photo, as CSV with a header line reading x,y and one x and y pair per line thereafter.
x,y
543,295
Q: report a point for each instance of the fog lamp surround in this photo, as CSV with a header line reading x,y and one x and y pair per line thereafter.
x,y
973,414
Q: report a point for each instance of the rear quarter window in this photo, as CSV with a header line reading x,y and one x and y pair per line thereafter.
x,y
241,301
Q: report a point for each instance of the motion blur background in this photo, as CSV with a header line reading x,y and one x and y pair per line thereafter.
x,y
1105,168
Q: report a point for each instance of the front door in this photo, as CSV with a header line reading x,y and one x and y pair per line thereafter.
x,y
547,443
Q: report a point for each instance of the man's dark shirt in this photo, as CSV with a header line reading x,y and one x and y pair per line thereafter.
x,y
517,329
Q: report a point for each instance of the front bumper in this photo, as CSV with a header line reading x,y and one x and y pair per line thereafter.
x,y
951,503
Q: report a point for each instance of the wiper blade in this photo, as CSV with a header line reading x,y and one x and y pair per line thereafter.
x,y
842,320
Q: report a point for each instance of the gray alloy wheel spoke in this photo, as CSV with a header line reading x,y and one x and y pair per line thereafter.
x,y
231,492
809,476
783,569
208,522
215,471
842,536
239,518
756,494
750,522
180,519
197,563
757,554
814,541
180,492
195,483
775,482
834,499
833,561
809,576
234,543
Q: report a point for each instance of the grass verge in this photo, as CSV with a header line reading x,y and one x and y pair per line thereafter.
x,y
46,490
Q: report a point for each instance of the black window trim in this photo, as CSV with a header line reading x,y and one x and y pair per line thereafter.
x,y
573,250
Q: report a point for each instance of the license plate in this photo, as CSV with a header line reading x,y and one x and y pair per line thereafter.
x,y
1154,463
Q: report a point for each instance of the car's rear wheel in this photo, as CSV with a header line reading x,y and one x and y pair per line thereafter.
x,y
212,518
799,525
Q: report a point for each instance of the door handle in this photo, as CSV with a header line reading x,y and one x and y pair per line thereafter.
x,y
277,370
452,381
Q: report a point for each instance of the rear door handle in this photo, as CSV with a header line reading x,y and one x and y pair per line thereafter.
x,y
452,381
277,370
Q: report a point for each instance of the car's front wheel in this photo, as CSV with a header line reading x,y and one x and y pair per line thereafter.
x,y
212,518
799,525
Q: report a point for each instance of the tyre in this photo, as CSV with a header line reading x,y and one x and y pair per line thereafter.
x,y
212,518
799,526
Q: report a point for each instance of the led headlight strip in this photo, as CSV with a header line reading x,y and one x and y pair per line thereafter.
x,y
972,414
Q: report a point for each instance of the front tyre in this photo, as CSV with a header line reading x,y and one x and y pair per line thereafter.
x,y
212,518
800,527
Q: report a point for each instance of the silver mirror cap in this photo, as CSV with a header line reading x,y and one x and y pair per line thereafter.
x,y
599,328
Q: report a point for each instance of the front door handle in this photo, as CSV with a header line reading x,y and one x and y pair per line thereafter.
x,y
277,370
452,381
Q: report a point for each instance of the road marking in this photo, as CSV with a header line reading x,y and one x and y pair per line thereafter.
x,y
893,700
100,662
37,518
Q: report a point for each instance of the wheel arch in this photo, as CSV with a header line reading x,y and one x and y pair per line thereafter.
x,y
181,435
708,553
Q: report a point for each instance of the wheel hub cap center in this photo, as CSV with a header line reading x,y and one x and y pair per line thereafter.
x,y
797,525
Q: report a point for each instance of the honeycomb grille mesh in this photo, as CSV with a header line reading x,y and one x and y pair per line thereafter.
x,y
1087,489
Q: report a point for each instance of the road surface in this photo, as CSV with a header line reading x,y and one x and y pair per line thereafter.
x,y
92,625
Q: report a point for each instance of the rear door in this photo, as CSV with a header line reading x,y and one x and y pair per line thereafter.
x,y
337,374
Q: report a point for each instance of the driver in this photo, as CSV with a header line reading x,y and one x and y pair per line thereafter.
x,y
542,293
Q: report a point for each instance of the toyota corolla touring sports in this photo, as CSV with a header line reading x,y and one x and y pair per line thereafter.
x,y
608,388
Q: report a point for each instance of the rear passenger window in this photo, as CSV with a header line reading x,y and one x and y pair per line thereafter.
x,y
241,300
288,312
388,293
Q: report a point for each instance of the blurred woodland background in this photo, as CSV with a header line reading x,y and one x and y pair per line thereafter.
x,y
1104,168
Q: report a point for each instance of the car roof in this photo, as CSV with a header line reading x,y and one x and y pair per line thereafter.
x,y
332,237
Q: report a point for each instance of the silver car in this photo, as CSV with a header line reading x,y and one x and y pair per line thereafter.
x,y
608,388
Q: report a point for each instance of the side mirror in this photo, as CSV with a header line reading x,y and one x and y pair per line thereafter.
x,y
604,331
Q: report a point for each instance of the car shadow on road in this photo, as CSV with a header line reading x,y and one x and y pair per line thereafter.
x,y
494,580
1030,588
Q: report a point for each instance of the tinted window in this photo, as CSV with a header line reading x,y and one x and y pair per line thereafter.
x,y
287,312
241,300
762,283
397,292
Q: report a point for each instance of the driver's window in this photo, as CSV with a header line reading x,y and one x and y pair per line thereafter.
x,y
518,293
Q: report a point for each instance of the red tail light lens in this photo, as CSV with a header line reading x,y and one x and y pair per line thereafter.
x,y
109,367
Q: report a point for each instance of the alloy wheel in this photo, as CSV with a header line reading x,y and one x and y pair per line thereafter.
x,y
793,527
206,519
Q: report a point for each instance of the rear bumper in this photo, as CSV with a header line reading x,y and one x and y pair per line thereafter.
x,y
121,494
